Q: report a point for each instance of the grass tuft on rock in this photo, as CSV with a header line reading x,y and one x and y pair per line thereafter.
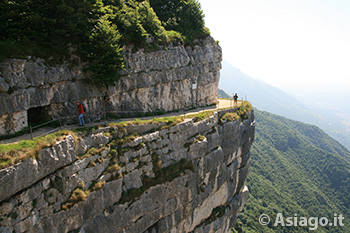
x,y
11,154
78,195
97,185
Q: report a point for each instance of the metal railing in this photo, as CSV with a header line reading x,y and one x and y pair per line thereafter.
x,y
107,115
60,127
43,124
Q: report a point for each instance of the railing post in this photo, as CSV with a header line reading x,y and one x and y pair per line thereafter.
x,y
31,132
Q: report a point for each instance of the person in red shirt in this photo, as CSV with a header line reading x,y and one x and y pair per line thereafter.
x,y
81,114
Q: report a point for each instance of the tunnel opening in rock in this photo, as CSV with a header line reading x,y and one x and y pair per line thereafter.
x,y
38,115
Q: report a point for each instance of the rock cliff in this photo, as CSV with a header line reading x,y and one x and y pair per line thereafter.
x,y
173,78
156,177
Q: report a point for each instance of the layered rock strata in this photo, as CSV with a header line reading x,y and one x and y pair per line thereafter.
x,y
187,177
173,78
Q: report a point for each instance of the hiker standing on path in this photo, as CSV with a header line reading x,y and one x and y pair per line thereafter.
x,y
81,114
235,98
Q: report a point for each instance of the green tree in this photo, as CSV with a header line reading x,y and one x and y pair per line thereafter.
x,y
105,52
184,16
150,21
128,21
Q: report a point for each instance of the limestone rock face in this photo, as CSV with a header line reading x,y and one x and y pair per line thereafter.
x,y
184,178
173,78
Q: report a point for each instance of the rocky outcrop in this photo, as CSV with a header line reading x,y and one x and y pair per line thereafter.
x,y
187,177
173,78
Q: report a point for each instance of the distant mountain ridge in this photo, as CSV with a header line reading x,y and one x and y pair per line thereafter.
x,y
274,100
222,94
263,95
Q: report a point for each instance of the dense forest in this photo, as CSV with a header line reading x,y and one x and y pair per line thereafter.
x,y
296,169
95,30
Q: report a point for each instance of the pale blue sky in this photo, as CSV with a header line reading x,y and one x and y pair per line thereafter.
x,y
291,44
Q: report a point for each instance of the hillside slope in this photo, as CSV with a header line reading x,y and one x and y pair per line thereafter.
x,y
296,169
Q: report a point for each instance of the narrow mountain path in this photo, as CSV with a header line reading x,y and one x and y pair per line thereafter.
x,y
222,103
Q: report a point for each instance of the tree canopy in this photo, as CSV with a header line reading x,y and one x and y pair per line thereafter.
x,y
183,16
95,30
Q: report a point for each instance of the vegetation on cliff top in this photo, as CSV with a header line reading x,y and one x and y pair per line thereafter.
x,y
240,114
11,154
95,30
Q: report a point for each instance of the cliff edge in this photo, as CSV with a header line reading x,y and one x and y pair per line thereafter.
x,y
184,175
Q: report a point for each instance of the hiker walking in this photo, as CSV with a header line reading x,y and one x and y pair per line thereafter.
x,y
81,114
235,98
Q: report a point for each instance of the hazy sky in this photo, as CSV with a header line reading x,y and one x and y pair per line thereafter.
x,y
286,43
